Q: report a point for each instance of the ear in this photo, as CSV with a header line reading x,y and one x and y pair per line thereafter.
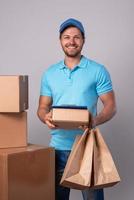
x,y
83,40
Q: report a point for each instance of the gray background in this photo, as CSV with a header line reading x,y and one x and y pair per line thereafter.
x,y
29,44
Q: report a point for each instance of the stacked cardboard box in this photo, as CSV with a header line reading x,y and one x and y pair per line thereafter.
x,y
26,171
13,117
13,130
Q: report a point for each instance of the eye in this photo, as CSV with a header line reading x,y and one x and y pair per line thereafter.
x,y
66,37
77,37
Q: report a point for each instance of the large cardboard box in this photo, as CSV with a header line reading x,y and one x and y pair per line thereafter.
x,y
13,129
13,93
70,117
27,173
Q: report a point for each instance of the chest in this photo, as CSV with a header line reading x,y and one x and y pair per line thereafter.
x,y
77,80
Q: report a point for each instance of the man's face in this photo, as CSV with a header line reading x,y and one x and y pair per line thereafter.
x,y
72,41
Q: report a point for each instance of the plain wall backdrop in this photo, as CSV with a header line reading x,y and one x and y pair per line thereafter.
x,y
29,44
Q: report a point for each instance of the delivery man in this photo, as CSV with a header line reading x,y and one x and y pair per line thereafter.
x,y
76,80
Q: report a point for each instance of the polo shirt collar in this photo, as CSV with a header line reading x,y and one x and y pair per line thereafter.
x,y
82,63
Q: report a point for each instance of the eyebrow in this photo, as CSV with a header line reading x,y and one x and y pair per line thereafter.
x,y
70,35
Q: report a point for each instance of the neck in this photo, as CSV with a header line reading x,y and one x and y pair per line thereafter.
x,y
70,62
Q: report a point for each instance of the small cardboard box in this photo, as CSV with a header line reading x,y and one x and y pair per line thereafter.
x,y
27,173
13,93
70,117
13,129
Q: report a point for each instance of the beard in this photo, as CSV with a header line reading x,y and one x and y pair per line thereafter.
x,y
72,52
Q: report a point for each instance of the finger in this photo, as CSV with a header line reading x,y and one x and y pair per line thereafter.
x,y
50,114
50,125
49,118
83,127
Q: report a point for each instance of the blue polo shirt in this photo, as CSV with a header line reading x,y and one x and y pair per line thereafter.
x,y
80,86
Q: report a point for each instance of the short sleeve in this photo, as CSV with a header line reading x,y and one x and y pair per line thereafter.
x,y
45,89
104,83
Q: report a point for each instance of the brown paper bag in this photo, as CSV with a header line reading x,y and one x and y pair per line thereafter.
x,y
77,173
104,170
90,164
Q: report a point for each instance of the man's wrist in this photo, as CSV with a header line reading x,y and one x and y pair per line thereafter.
x,y
94,122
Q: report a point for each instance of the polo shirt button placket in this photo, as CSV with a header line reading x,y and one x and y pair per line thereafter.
x,y
68,73
70,78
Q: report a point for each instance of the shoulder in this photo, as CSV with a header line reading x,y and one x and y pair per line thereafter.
x,y
52,69
98,71
94,66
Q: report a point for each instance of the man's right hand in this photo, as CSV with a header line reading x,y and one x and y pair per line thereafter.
x,y
48,120
44,113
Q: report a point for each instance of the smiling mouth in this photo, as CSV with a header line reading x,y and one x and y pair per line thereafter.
x,y
72,47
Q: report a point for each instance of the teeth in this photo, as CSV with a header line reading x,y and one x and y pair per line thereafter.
x,y
71,47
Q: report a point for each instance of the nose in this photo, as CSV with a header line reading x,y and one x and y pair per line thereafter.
x,y
72,41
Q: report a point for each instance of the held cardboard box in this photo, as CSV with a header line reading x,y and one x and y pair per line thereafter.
x,y
13,93
27,173
13,129
70,117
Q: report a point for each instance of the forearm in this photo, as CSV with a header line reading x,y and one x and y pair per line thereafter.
x,y
42,111
105,115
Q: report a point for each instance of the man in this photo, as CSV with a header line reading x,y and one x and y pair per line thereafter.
x,y
79,81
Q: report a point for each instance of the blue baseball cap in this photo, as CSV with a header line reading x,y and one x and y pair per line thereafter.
x,y
72,22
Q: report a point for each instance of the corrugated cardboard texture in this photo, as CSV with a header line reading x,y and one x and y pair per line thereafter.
x,y
27,173
13,130
70,118
13,93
